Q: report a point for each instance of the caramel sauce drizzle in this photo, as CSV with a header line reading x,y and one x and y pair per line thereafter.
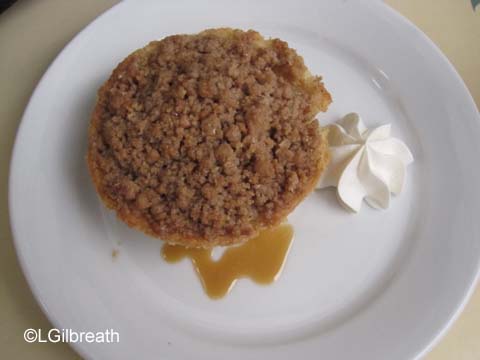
x,y
261,259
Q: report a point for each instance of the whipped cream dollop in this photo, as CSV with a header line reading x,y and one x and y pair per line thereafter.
x,y
365,163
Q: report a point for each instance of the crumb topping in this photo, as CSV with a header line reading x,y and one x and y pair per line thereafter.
x,y
205,139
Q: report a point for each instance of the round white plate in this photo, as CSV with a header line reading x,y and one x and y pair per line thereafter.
x,y
377,285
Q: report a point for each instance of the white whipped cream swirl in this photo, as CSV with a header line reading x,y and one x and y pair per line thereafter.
x,y
365,163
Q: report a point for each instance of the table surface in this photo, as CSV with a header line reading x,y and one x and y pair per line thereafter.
x,y
33,32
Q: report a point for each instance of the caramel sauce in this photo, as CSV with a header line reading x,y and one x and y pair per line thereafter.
x,y
261,259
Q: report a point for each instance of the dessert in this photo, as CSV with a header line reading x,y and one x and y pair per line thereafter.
x,y
206,139
366,163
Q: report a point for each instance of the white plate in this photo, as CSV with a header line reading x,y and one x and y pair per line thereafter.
x,y
378,285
